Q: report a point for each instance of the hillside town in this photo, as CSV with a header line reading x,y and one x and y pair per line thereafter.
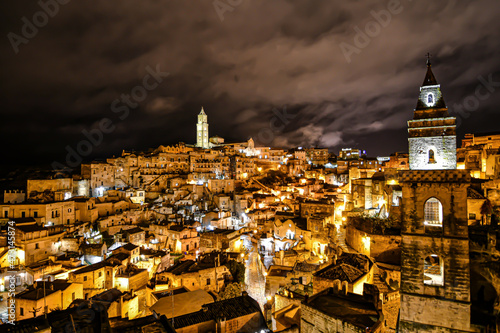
x,y
223,236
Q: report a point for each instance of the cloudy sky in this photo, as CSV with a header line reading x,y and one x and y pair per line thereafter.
x,y
287,73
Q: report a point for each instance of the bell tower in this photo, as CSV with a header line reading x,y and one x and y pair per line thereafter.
x,y
435,268
202,130
432,132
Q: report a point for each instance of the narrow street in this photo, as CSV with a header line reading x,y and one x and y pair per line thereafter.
x,y
255,281
340,239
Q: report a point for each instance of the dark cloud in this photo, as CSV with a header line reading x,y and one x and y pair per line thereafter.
x,y
263,55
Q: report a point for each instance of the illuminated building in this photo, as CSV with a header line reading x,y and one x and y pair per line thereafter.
x,y
432,132
202,131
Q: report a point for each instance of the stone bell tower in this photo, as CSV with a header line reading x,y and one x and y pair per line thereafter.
x,y
432,132
202,131
435,270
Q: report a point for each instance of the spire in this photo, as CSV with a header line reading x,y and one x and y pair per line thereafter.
x,y
429,80
202,111
430,96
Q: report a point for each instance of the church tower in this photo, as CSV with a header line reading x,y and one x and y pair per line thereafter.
x,y
435,269
432,132
202,131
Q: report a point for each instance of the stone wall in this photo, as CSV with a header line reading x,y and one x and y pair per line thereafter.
x,y
430,314
439,307
444,148
14,196
368,244
313,321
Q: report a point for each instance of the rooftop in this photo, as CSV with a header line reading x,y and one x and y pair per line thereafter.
x,y
38,291
351,308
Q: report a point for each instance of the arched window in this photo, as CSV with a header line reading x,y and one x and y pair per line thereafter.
x,y
433,212
430,99
433,270
431,157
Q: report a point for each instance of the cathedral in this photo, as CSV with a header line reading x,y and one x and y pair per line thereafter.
x,y
435,268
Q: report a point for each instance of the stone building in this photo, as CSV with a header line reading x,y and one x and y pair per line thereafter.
x,y
336,310
35,242
435,278
201,274
45,297
202,131
350,269
60,188
239,314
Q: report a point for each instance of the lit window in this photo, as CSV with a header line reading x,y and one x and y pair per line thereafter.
x,y
431,157
433,271
433,212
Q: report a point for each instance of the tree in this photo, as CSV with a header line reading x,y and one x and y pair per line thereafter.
x,y
237,270
232,290
382,223
486,210
35,311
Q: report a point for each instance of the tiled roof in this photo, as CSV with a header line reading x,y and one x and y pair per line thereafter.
x,y
29,227
38,292
133,231
305,267
474,194
352,308
129,247
360,261
342,272
228,309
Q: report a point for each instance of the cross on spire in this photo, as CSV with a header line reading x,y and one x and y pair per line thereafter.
x,y
428,56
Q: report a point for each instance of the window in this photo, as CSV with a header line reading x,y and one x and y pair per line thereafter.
x,y
472,216
35,214
37,246
433,212
100,274
84,278
433,271
208,282
431,157
23,214
21,311
430,99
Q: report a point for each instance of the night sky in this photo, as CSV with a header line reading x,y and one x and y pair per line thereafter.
x,y
248,63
